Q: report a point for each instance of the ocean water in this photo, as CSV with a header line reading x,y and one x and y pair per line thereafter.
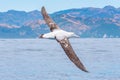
x,y
43,59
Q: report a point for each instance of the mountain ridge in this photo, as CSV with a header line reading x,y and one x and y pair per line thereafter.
x,y
87,22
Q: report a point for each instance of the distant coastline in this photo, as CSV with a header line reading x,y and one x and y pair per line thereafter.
x,y
86,22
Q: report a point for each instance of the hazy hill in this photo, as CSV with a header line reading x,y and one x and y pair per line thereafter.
x,y
86,22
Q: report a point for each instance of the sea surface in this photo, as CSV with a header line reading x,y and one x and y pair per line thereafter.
x,y
43,59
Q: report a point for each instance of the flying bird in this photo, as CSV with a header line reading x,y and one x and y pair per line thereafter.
x,y
62,37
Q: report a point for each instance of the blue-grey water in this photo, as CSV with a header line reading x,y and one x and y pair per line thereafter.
x,y
42,59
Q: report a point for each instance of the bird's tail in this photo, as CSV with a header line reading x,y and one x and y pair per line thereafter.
x,y
76,36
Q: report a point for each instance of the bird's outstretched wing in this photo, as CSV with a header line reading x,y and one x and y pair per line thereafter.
x,y
48,20
65,44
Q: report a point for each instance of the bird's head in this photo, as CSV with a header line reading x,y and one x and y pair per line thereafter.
x,y
41,36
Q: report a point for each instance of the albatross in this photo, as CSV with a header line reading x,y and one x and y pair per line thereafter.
x,y
62,37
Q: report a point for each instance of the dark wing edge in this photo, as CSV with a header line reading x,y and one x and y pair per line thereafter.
x,y
65,44
49,20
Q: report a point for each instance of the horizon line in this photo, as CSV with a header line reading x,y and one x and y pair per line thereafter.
x,y
56,11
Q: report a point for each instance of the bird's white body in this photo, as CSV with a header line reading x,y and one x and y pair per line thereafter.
x,y
59,34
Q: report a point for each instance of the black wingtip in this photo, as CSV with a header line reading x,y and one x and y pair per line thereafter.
x,y
44,12
43,9
86,71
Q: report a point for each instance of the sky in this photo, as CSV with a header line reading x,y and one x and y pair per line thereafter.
x,y
53,5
